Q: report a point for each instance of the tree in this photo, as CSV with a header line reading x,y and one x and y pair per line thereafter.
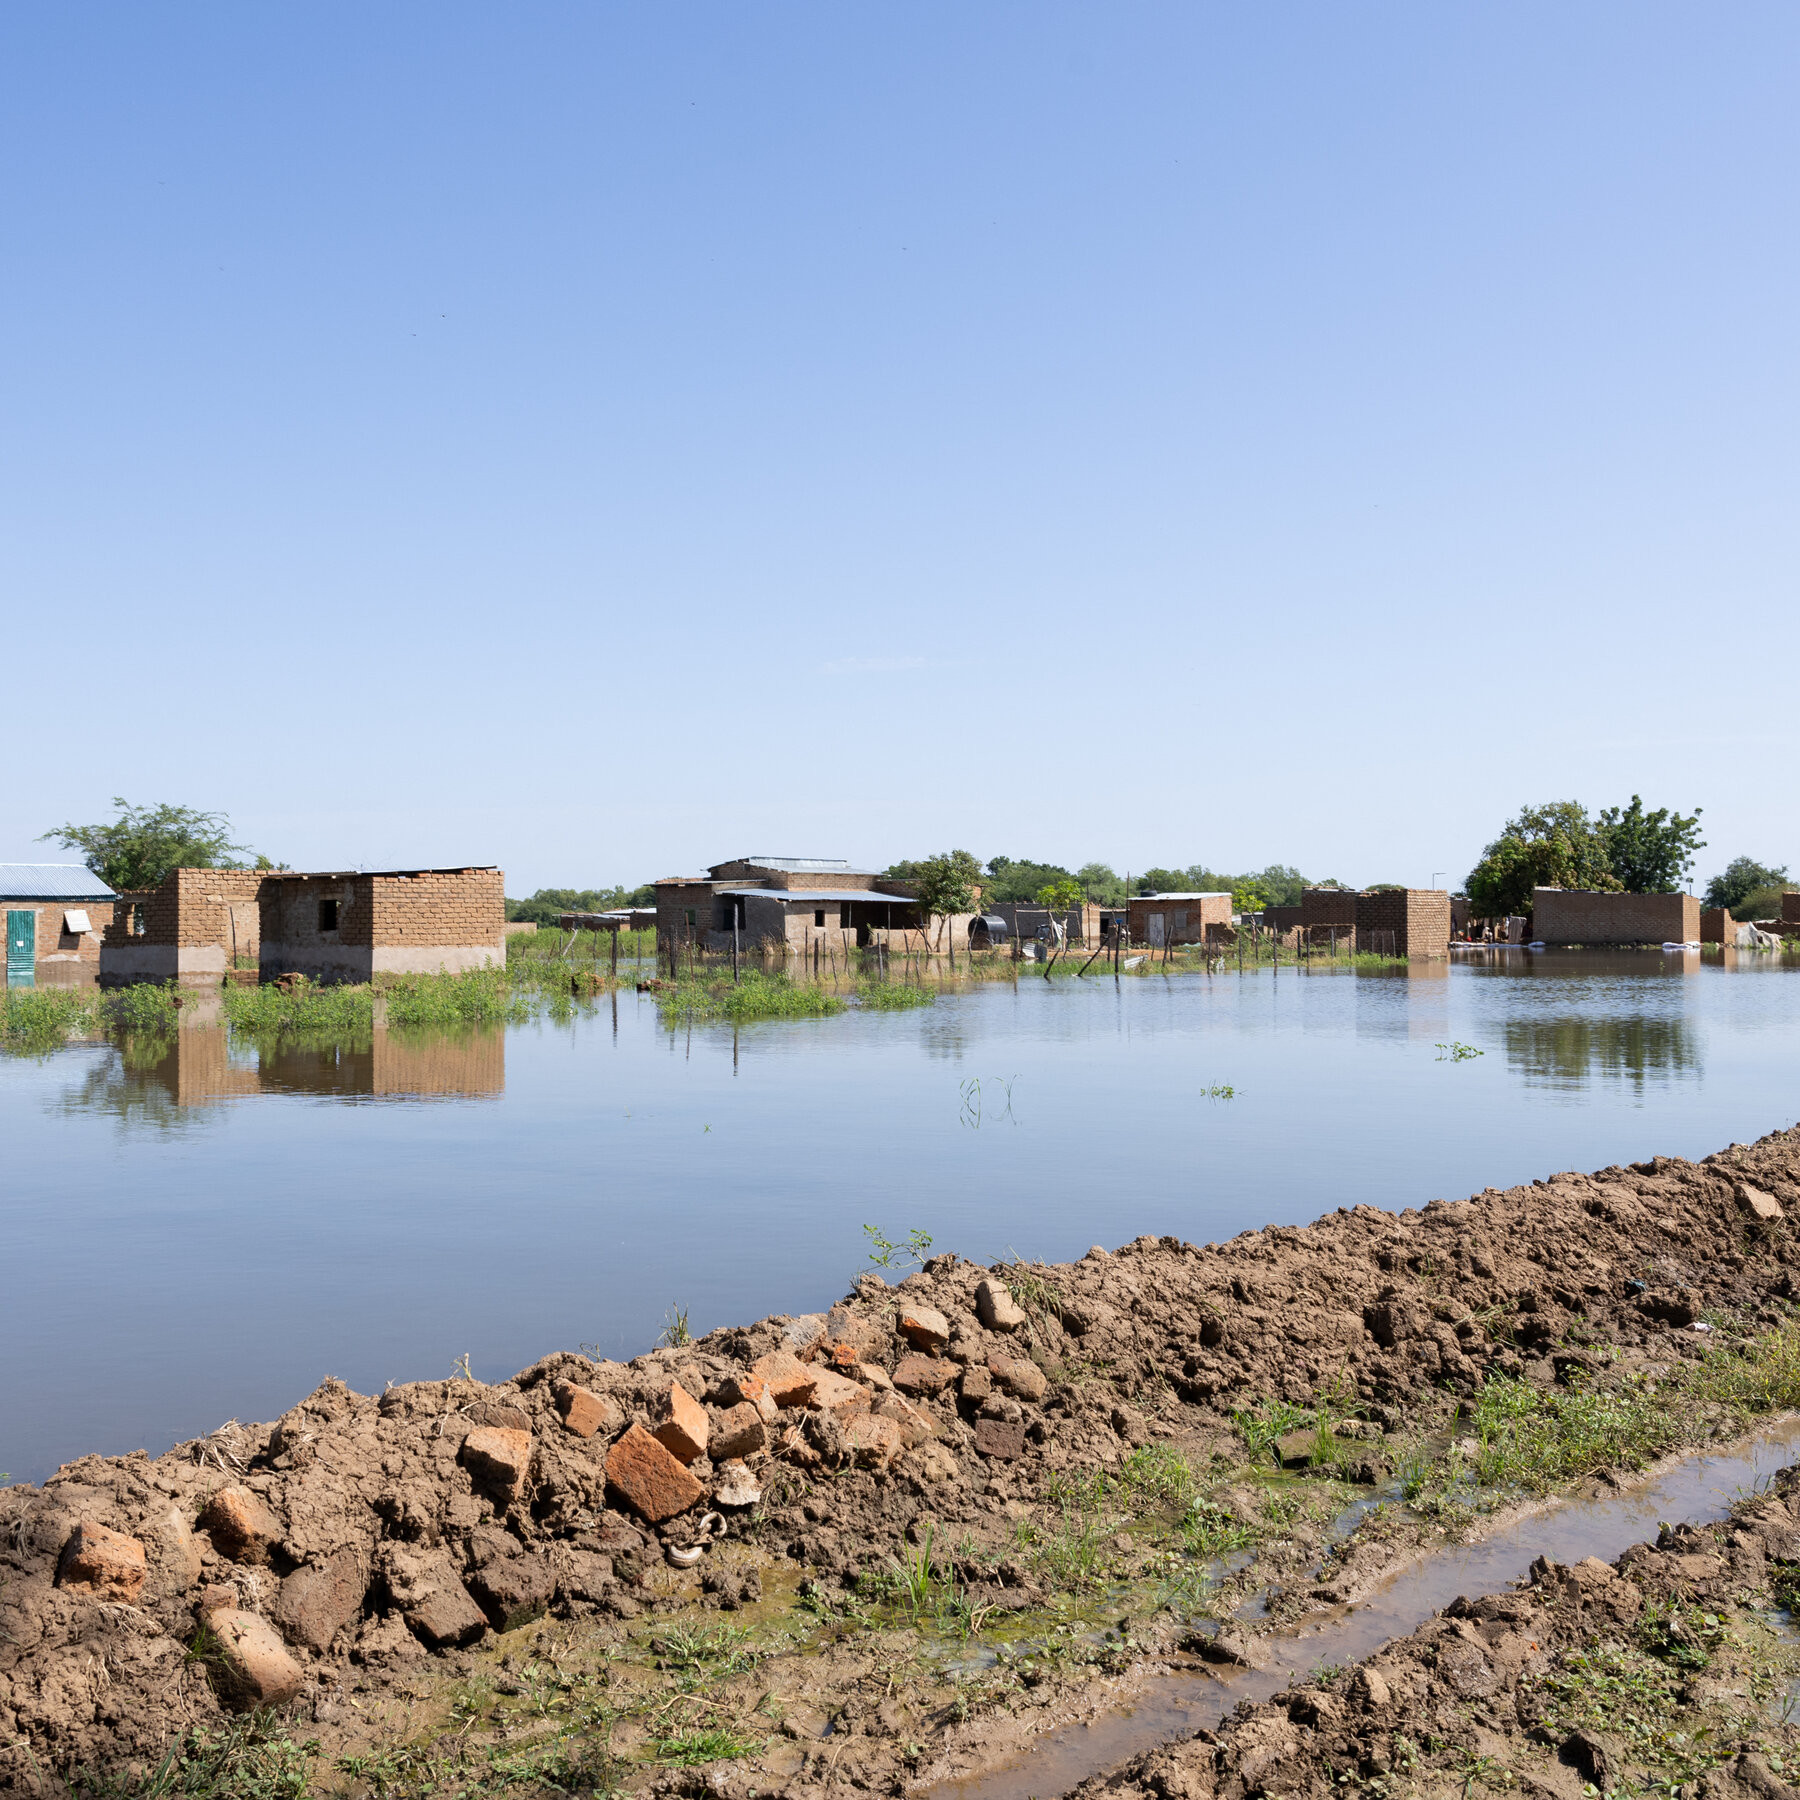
x,y
1650,852
145,843
1554,845
944,885
1100,884
1064,895
1161,881
1744,882
1282,884
1020,879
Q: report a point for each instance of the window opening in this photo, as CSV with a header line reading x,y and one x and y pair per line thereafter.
x,y
328,915
818,915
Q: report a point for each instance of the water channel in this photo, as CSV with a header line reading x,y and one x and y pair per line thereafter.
x,y
201,1228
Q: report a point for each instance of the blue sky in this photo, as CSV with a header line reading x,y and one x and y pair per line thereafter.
x,y
602,440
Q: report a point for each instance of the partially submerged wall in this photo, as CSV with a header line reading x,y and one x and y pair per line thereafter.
x,y
1409,922
194,924
1583,916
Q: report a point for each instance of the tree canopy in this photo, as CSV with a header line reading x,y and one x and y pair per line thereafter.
x,y
1063,895
945,884
144,844
1651,852
1011,878
1752,890
1622,849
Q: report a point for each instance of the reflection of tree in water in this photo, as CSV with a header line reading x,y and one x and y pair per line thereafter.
x,y
1569,1052
136,1081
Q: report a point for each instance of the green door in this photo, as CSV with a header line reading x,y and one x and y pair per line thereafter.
x,y
21,949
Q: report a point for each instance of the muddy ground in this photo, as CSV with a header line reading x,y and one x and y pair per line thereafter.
x,y
1669,1671
869,1549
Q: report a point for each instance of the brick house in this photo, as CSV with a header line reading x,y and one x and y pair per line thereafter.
x,y
1328,906
346,926
1409,922
352,926
1158,919
55,914
1582,916
799,901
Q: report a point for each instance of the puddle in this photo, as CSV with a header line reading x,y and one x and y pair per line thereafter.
x,y
1172,1707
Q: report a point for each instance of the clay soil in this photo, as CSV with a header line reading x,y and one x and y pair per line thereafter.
x,y
956,1535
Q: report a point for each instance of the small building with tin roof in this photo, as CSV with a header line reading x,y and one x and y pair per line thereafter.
x,y
800,901
55,915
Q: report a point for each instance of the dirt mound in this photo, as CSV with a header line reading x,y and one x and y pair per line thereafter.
x,y
140,1596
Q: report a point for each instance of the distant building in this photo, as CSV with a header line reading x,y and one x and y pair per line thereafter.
x,y
1409,922
55,914
1328,906
340,926
1583,916
799,901
1158,919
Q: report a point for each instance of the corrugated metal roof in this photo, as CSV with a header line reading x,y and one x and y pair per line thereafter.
x,y
812,896
795,865
1181,896
51,881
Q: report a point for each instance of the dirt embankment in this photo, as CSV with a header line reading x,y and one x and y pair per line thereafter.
x,y
359,1541
1659,1673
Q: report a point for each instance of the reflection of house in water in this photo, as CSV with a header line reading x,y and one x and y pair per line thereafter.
x,y
1570,1052
200,1066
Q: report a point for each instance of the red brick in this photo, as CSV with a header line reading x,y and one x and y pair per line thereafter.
x,y
255,1668
498,1456
923,1375
648,1479
241,1526
924,1328
873,1442
740,1432
789,1380
105,1563
584,1412
685,1431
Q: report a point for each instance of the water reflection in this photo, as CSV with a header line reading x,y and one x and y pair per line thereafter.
x,y
1567,1052
158,1081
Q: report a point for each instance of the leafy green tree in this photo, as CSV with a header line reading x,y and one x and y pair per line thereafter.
x,y
1061,896
945,884
1554,845
1746,887
145,843
1650,852
1100,884
1020,879
1161,881
1282,884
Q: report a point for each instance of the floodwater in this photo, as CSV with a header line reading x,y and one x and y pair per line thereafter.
x,y
198,1231
1698,1490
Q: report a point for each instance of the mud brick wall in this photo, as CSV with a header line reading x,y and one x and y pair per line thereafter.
x,y
290,910
1580,916
1790,909
53,942
191,909
672,901
1419,919
450,907
1327,906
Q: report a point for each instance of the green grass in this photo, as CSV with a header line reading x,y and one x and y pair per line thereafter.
x,y
304,1008
252,1758
713,995
36,1020
687,1748
893,996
